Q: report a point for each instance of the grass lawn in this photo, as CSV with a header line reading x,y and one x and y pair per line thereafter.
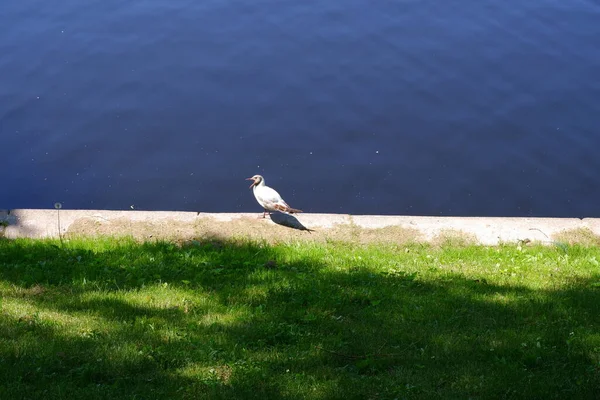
x,y
116,319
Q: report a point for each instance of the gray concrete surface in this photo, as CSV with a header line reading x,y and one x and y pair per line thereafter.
x,y
482,230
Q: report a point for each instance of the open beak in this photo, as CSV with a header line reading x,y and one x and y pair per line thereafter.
x,y
253,183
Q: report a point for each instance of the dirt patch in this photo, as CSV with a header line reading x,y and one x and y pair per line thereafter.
x,y
451,237
263,229
583,236
389,234
36,290
200,229
224,372
209,228
141,230
252,228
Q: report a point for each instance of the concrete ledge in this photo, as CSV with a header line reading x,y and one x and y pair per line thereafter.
x,y
280,227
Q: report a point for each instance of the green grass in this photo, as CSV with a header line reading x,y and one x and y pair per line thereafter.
x,y
116,319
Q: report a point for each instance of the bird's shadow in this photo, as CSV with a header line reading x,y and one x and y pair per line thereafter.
x,y
289,221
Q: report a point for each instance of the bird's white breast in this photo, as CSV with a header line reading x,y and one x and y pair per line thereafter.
x,y
266,196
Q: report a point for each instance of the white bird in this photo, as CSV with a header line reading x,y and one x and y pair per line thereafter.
x,y
268,198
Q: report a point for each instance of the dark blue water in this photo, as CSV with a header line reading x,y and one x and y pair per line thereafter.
x,y
477,107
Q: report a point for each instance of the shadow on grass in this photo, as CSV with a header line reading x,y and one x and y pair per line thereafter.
x,y
229,320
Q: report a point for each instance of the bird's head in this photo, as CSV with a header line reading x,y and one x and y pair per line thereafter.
x,y
257,179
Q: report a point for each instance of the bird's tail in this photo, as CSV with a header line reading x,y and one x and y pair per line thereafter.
x,y
286,209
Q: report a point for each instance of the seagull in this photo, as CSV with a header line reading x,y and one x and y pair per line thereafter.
x,y
268,198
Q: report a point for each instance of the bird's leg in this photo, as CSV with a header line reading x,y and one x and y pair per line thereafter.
x,y
265,213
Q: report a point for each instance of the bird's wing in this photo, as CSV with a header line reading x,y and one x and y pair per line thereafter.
x,y
269,195
271,200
